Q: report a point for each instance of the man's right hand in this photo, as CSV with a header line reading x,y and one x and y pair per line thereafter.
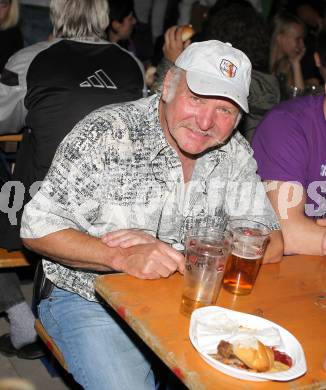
x,y
150,261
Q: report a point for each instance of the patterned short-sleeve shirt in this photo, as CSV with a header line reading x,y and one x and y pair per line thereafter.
x,y
115,170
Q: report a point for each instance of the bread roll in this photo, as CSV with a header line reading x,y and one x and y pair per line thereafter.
x,y
187,32
260,358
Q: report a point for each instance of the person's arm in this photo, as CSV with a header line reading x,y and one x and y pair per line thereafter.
x,y
297,72
173,44
291,68
12,109
13,87
295,63
302,235
80,250
13,90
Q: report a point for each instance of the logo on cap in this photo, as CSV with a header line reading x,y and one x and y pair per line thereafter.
x,y
228,68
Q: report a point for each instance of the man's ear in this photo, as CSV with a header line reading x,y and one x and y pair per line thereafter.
x,y
317,59
166,85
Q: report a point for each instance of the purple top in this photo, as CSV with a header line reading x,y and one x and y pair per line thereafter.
x,y
290,145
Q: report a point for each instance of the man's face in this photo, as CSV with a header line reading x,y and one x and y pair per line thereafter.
x,y
194,123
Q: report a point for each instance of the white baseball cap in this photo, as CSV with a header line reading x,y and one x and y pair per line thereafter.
x,y
214,68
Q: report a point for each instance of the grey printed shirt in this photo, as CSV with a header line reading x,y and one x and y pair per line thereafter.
x,y
115,170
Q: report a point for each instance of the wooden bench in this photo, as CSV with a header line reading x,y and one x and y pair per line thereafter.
x,y
12,259
48,341
11,137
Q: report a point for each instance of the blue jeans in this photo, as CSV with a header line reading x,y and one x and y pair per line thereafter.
x,y
101,352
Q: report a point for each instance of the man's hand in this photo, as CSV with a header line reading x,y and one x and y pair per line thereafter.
x,y
173,44
150,261
146,257
125,238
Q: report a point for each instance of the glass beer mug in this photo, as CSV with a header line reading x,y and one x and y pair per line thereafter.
x,y
248,247
207,250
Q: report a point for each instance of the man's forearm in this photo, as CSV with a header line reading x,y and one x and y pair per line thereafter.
x,y
302,235
76,249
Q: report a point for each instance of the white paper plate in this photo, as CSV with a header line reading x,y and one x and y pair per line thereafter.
x,y
291,346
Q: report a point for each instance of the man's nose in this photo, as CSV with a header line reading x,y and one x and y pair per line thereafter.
x,y
205,117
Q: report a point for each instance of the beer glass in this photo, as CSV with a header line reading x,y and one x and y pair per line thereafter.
x,y
249,241
207,250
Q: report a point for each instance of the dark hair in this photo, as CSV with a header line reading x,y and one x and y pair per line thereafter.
x,y
241,25
119,9
321,46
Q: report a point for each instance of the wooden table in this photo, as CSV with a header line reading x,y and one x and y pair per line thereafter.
x,y
291,293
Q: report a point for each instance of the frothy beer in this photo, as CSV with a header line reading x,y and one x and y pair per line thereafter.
x,y
243,265
241,272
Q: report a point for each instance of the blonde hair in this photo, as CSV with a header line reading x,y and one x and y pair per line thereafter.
x,y
12,17
281,24
79,18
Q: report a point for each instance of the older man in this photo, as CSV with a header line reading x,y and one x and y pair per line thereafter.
x,y
290,150
125,185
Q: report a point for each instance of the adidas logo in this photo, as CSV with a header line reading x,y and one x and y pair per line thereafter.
x,y
98,80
